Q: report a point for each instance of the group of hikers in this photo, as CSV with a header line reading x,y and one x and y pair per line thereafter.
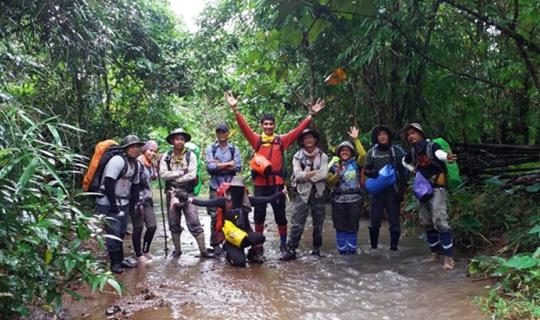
x,y
125,188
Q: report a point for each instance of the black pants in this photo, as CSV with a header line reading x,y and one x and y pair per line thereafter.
x,y
278,205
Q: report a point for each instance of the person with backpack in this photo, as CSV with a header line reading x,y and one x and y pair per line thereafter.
x,y
428,160
310,170
384,153
120,188
233,206
223,161
144,209
178,168
346,195
269,147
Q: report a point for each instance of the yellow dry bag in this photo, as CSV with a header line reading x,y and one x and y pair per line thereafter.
x,y
233,234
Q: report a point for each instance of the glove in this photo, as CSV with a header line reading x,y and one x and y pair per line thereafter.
x,y
182,195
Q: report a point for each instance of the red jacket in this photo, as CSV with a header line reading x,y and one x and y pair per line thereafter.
x,y
277,156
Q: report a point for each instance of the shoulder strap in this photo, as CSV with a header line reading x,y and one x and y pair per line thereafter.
x,y
168,160
231,150
188,156
278,138
214,149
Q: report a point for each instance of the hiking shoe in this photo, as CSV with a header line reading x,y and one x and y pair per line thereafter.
x,y
129,263
116,268
216,250
206,254
315,252
449,263
289,255
432,258
176,254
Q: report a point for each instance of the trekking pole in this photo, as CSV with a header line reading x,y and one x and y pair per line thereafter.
x,y
162,213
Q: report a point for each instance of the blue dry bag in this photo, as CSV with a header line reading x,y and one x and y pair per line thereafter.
x,y
385,179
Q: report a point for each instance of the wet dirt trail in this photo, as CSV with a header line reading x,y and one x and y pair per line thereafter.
x,y
373,284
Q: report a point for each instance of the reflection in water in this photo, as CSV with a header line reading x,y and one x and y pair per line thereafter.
x,y
373,284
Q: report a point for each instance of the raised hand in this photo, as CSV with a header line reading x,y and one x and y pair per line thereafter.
x,y
353,132
231,100
318,106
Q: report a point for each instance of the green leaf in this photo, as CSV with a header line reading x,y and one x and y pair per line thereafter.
x,y
115,285
533,188
521,262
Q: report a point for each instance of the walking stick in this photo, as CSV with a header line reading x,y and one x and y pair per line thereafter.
x,y
162,213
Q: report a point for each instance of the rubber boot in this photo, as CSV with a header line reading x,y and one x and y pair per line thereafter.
x,y
176,242
116,262
394,240
202,246
374,237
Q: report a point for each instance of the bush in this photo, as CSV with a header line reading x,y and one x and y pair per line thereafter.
x,y
43,226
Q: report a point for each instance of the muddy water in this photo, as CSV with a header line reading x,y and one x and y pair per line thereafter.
x,y
373,284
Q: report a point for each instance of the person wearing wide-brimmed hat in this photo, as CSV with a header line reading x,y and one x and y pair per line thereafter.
x,y
384,153
429,160
223,161
120,189
344,176
271,146
179,170
310,170
232,226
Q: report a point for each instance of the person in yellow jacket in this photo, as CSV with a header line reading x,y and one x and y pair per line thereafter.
x,y
344,177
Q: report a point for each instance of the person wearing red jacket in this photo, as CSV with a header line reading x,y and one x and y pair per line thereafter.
x,y
271,146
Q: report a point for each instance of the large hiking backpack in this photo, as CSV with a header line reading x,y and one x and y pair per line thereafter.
x,y
454,178
103,152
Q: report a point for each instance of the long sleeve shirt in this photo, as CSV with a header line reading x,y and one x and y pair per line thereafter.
x,y
180,172
302,164
271,151
222,155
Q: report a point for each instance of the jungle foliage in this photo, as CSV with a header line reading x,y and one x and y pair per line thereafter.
x,y
74,72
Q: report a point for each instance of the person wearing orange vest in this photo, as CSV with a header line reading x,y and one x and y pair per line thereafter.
x,y
272,147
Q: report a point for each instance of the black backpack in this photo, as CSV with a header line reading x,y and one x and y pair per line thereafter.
x,y
107,156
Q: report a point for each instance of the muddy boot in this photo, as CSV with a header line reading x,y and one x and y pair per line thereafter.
x,y
176,242
290,254
116,262
374,237
205,253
